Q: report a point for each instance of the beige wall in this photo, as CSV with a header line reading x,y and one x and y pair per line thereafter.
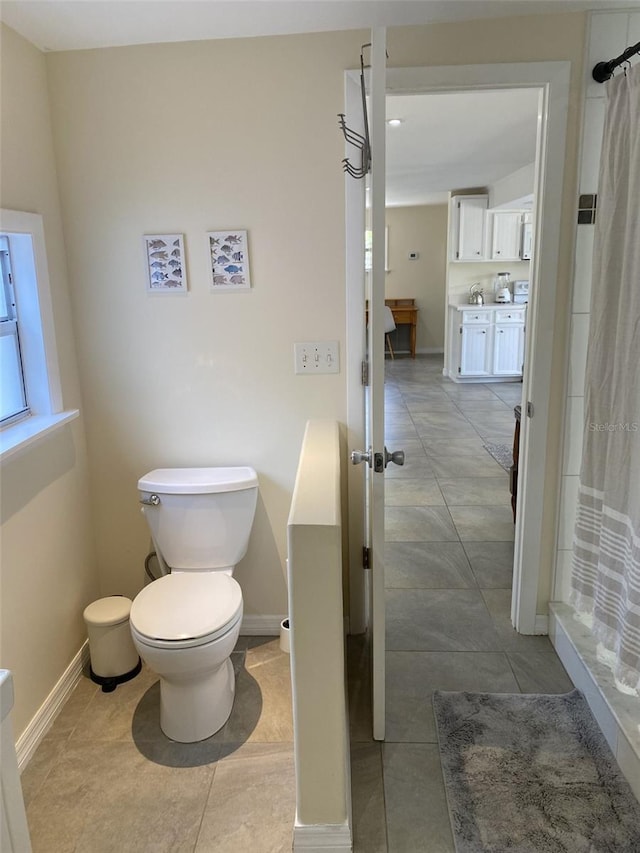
x,y
423,230
189,138
252,143
48,562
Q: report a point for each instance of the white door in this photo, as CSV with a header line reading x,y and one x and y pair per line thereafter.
x,y
373,455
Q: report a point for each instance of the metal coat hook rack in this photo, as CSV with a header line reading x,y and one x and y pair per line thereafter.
x,y
362,143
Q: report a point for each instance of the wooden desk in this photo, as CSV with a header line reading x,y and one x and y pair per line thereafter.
x,y
405,313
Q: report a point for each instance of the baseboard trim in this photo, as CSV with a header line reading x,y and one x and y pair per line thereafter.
x,y
428,351
322,838
541,624
256,626
32,736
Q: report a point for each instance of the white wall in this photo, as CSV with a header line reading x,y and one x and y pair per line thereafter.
x,y
420,229
48,566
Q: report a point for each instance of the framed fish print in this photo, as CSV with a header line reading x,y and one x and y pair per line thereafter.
x,y
165,259
229,260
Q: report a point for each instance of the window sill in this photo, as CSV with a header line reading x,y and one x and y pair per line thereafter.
x,y
18,437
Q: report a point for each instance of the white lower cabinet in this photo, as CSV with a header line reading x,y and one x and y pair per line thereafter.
x,y
508,349
487,342
475,351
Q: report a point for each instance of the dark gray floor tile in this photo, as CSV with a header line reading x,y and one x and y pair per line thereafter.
x,y
422,491
369,819
411,678
430,565
491,563
419,524
539,672
498,602
453,468
453,447
467,491
483,523
359,688
417,816
439,620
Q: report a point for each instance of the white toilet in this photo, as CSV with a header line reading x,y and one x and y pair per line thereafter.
x,y
185,625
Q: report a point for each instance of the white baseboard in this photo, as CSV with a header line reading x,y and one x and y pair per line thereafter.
x,y
428,351
541,625
322,838
261,626
32,736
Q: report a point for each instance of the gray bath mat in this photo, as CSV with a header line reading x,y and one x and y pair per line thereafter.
x,y
501,453
532,774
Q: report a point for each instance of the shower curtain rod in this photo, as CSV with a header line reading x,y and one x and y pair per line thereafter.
x,y
604,70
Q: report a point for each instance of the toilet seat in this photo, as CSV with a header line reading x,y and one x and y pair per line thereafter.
x,y
185,609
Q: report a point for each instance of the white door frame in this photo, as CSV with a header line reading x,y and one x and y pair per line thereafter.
x,y
552,78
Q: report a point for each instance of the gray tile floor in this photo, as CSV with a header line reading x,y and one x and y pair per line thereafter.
x,y
449,556
106,779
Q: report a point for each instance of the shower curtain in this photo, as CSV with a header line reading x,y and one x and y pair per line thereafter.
x,y
606,546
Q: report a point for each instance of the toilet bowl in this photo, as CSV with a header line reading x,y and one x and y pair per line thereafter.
x,y
185,624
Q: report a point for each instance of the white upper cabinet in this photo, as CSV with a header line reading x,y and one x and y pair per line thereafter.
x,y
470,220
527,237
506,235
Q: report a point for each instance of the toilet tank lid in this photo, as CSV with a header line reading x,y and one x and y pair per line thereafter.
x,y
198,481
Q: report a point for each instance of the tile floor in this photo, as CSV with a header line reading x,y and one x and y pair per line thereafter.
x,y
449,556
106,779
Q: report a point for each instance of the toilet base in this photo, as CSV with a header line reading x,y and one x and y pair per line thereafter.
x,y
193,710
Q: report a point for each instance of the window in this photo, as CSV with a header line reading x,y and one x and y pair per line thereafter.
x,y
30,394
13,397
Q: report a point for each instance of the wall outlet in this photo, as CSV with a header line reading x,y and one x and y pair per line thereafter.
x,y
317,357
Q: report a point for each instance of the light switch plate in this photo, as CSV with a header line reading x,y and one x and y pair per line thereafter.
x,y
316,357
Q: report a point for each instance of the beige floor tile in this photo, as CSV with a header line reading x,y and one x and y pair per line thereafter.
x,y
251,805
106,796
262,708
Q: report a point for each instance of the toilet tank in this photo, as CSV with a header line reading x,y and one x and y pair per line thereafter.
x,y
203,516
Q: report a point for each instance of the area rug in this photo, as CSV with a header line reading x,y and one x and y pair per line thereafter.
x,y
501,453
532,774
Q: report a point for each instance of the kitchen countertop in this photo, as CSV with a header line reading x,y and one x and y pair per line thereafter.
x,y
492,306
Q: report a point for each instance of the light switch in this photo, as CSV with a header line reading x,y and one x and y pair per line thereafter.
x,y
317,357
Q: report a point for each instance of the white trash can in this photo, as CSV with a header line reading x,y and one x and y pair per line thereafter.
x,y
114,658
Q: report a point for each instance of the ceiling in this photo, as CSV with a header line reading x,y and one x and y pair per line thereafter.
x,y
446,141
81,24
457,141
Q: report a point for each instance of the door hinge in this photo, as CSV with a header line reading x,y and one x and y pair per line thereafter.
x,y
529,409
365,373
366,558
459,370
460,329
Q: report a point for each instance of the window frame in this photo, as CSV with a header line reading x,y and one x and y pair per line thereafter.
x,y
41,371
9,326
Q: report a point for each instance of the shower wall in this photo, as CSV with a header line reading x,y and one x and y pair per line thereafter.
x,y
618,715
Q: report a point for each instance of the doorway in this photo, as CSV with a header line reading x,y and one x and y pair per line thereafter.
x,y
449,550
552,80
